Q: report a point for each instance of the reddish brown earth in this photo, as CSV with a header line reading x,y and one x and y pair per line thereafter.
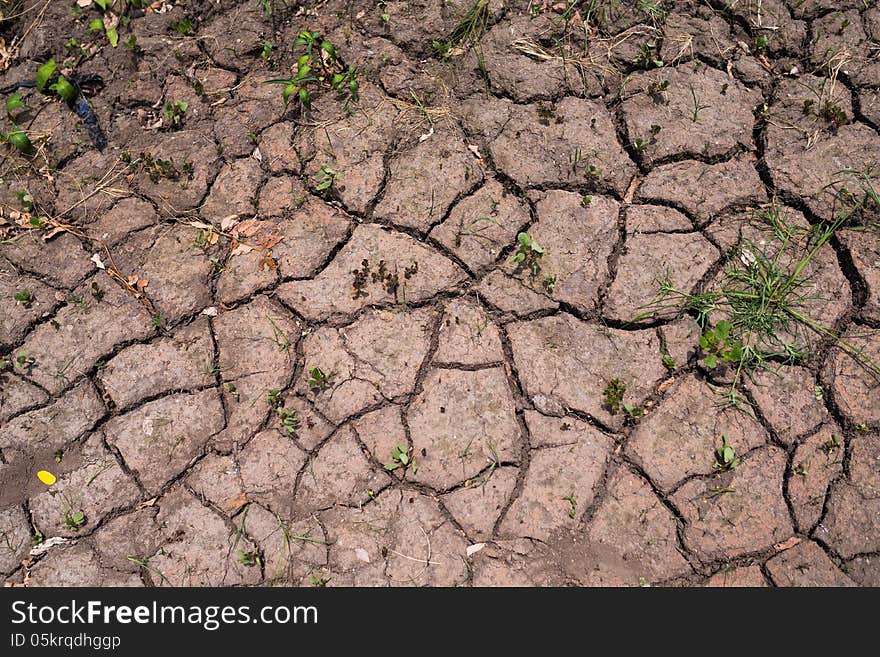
x,y
160,364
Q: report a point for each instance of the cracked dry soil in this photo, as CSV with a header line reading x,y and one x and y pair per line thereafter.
x,y
219,364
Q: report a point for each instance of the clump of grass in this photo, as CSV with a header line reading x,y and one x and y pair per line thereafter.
x,y
467,35
755,312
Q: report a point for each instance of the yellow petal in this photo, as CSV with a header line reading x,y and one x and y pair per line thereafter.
x,y
46,477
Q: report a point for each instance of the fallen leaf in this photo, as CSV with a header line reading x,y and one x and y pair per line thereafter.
x,y
240,249
473,549
148,503
228,222
98,263
426,136
246,228
785,545
362,554
270,240
235,502
267,261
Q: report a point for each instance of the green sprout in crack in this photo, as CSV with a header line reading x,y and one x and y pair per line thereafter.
x,y
74,520
573,505
725,456
613,396
754,313
401,457
318,379
528,253
326,178
249,558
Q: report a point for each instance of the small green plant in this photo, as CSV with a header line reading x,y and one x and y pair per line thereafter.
x,y
319,67
760,42
725,456
549,283
669,362
156,321
268,48
633,412
326,178
696,105
249,558
467,35
38,538
23,360
58,455
74,520
401,457
19,140
648,57
23,298
573,505
99,24
183,27
175,113
613,396
528,253
289,419
318,379
320,581
717,343
274,398
833,443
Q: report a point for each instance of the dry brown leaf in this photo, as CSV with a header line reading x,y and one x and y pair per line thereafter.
x,y
240,249
228,222
235,502
246,228
148,503
270,240
785,545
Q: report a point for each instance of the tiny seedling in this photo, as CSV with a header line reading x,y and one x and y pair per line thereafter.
x,y
183,28
833,443
74,520
175,113
58,455
326,178
633,412
289,419
23,360
318,379
156,321
572,501
717,343
528,253
320,581
23,298
725,456
249,558
268,47
800,469
401,457
613,396
274,397
669,362
38,538
696,106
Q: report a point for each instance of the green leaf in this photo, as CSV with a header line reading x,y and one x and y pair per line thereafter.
x,y
21,142
392,466
103,4
722,329
64,88
14,102
523,239
305,99
711,361
96,25
729,454
289,90
44,74
113,37
329,48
